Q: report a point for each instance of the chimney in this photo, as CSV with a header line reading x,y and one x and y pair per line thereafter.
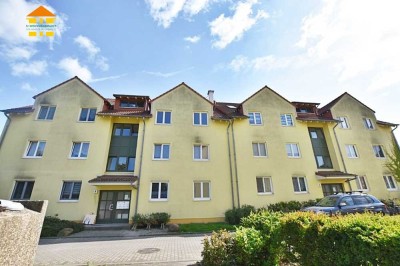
x,y
210,95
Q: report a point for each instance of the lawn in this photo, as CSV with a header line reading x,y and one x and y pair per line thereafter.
x,y
204,227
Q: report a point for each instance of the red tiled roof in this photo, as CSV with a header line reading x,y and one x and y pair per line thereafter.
x,y
114,179
313,117
383,123
19,110
333,173
136,112
224,112
131,96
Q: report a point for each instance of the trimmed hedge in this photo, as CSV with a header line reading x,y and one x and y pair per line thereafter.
x,y
146,220
53,225
304,238
233,216
291,206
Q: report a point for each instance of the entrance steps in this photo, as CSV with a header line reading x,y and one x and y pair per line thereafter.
x,y
107,227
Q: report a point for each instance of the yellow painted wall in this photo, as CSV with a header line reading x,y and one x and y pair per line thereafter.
x,y
367,164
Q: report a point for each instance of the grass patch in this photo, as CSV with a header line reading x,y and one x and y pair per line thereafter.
x,y
204,227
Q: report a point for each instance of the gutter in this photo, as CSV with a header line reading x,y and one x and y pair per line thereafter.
x,y
235,161
3,133
140,168
230,163
341,156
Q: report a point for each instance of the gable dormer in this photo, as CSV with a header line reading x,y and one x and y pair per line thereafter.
x,y
129,102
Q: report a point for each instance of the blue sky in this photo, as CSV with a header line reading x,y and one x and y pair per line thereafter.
x,y
306,51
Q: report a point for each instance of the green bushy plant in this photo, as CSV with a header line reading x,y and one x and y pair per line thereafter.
x,y
147,220
53,225
291,206
250,246
218,249
233,216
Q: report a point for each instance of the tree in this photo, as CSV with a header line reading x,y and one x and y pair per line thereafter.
x,y
393,163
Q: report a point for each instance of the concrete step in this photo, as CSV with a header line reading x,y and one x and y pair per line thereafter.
x,y
107,226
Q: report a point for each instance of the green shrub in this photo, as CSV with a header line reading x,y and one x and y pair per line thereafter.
x,y
233,216
146,220
218,249
291,206
53,225
161,217
250,246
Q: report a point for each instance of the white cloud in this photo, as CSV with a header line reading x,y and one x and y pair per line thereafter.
x,y
27,87
107,78
166,11
93,52
167,74
269,62
13,53
192,39
360,38
72,67
34,68
229,29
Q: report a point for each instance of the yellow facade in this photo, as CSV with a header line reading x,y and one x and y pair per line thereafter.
x,y
227,175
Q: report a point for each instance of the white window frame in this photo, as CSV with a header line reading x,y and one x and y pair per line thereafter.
x,y
70,194
200,119
286,124
253,115
159,191
381,149
47,113
344,120
368,124
264,180
258,149
352,152
298,183
201,152
162,151
80,157
87,115
163,117
291,150
390,188
202,198
360,184
36,149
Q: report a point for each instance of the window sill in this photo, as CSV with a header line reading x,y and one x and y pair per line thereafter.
x,y
265,193
255,156
256,124
291,157
77,158
32,157
202,199
200,125
287,125
158,200
85,121
301,192
68,201
392,189
201,160
160,159
163,124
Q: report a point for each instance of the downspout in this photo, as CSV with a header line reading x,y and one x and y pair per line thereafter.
x,y
3,133
393,136
140,167
230,164
235,161
341,154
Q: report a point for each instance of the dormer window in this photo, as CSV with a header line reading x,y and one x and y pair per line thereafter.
x,y
130,104
304,110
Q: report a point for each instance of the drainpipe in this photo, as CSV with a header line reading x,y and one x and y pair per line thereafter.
x,y
140,166
230,164
341,154
235,161
393,136
3,133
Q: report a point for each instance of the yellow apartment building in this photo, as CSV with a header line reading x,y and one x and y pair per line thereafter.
x,y
186,154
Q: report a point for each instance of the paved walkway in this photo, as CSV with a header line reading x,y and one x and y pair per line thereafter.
x,y
120,248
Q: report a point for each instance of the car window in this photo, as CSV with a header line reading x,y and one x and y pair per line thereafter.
x,y
328,202
347,200
369,199
360,200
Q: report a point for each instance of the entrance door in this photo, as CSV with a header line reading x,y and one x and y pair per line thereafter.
x,y
114,207
329,189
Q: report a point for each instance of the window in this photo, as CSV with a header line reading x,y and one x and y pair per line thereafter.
x,y
80,150
71,190
378,150
259,150
35,149
87,114
255,119
201,190
159,191
299,184
22,190
351,151
390,182
344,123
292,150
200,119
264,185
121,164
130,104
46,112
163,117
361,182
126,130
368,123
287,120
200,152
161,151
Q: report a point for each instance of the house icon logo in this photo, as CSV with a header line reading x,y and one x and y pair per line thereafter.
x,y
41,22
